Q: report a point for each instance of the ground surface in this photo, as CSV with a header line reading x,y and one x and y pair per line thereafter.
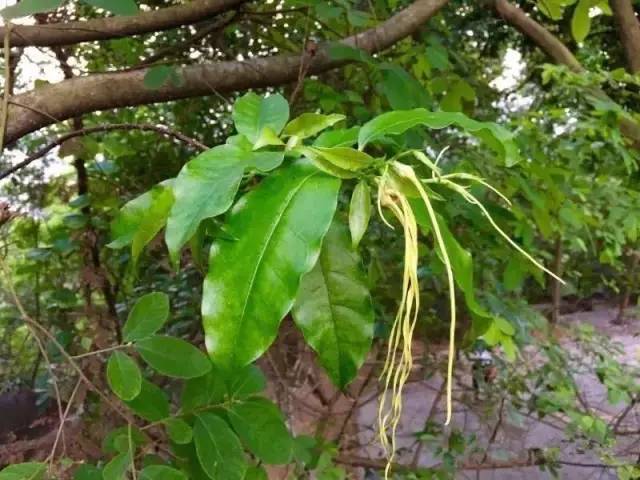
x,y
515,435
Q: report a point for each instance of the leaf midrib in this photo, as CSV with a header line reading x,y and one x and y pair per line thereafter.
x,y
261,256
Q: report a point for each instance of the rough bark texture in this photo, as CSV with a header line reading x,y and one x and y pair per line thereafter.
x,y
628,31
55,103
69,33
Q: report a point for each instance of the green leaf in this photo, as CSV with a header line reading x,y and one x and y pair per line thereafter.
x,y
87,471
153,221
437,56
267,138
256,473
178,430
345,137
310,124
581,21
462,266
206,187
340,162
209,389
173,357
457,93
151,403
259,424
147,316
246,382
29,7
252,281
551,8
398,122
113,442
124,376
218,448
333,308
161,472
252,113
119,7
401,89
117,468
359,212
24,471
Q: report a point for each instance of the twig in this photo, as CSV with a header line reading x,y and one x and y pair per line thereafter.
x,y
63,420
104,128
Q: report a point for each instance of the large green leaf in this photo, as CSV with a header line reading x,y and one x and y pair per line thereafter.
x,y
398,122
206,186
124,376
147,316
218,448
151,403
252,280
29,7
173,357
333,308
161,472
119,7
24,471
260,426
252,113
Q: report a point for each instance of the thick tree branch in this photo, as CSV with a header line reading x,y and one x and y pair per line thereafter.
x,y
629,32
55,34
192,142
559,52
36,109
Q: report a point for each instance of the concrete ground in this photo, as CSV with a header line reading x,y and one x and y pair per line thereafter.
x,y
516,434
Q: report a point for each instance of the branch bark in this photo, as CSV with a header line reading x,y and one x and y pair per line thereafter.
x,y
46,105
68,33
542,37
629,32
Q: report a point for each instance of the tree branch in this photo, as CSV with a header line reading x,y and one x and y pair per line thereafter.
x,y
68,33
629,32
103,128
546,40
35,109
559,52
